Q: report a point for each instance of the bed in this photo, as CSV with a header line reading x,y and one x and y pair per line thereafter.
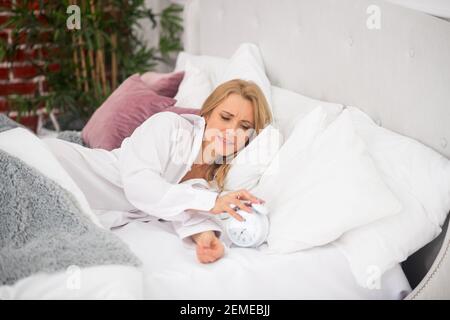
x,y
336,57
327,51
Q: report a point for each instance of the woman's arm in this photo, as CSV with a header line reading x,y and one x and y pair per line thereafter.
x,y
194,223
143,158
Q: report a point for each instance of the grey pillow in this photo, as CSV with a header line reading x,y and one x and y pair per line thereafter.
x,y
6,123
72,136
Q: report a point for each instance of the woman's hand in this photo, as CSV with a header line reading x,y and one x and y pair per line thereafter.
x,y
236,198
209,247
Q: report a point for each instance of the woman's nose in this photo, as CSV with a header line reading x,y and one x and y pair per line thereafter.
x,y
233,126
228,130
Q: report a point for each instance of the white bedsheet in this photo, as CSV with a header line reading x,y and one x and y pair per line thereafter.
x,y
171,271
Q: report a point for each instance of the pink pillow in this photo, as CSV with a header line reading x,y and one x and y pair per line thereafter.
x,y
126,108
164,84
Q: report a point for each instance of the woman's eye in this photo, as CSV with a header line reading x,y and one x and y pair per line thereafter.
x,y
226,119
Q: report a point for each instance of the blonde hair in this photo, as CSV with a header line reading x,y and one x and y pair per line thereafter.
x,y
261,112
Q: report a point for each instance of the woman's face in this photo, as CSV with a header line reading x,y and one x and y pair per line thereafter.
x,y
229,126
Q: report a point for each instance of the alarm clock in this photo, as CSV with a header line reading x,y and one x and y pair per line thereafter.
x,y
253,231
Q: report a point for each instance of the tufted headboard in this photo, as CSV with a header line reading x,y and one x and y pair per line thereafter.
x,y
331,50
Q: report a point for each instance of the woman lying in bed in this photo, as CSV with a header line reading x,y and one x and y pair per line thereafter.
x,y
174,166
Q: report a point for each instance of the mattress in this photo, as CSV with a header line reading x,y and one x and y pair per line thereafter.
x,y
171,271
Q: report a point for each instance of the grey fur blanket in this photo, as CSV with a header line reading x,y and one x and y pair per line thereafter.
x,y
7,123
43,229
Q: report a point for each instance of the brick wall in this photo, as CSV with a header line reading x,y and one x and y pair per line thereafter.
x,y
18,76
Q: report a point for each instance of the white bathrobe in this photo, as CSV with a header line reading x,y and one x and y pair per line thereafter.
x,y
142,176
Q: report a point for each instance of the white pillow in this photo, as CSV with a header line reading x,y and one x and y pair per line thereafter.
x,y
326,184
247,64
420,178
213,66
287,106
252,161
194,89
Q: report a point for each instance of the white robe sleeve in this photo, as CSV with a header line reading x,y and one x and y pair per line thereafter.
x,y
142,160
194,223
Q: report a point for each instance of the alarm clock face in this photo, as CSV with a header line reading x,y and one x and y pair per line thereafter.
x,y
249,233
